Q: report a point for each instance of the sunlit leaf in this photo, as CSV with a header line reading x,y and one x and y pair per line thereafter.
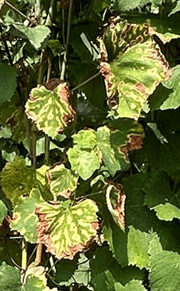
x,y
17,179
50,110
24,218
62,181
165,268
132,77
115,199
67,230
36,35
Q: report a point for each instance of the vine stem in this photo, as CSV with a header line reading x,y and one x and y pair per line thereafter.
x,y
17,10
67,42
24,258
85,82
50,14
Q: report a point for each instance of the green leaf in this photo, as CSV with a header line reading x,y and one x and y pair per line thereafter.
x,y
104,282
125,5
165,268
131,286
84,162
35,279
17,179
8,82
3,211
138,245
173,101
66,231
175,9
134,75
65,270
24,217
160,197
50,110
82,274
62,181
36,35
83,40
9,278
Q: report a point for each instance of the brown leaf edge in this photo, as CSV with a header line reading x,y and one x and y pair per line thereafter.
x,y
44,237
120,207
135,143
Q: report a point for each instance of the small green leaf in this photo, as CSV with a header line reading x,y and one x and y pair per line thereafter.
x,y
36,35
9,278
7,81
67,231
125,5
133,285
50,110
165,268
173,101
3,211
24,217
138,245
62,181
84,162
86,139
17,179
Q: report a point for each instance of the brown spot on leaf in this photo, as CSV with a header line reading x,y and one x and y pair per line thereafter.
x,y
53,83
141,88
135,143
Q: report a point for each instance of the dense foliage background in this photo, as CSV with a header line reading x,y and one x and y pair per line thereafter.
x,y
89,145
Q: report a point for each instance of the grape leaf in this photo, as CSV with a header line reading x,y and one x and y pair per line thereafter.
x,y
160,197
133,285
175,9
165,268
9,278
62,181
125,5
8,82
115,199
24,217
50,110
173,101
133,77
17,179
3,211
138,245
36,35
84,162
67,230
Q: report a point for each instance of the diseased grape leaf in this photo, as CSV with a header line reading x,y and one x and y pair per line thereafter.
x,y
50,110
62,181
24,218
105,145
132,77
9,278
165,268
115,199
84,162
17,179
66,230
7,81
